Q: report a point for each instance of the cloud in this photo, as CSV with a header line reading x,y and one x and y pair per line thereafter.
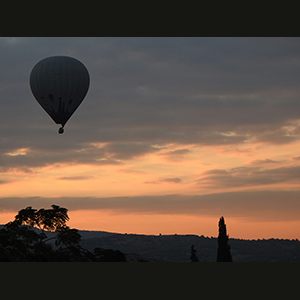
x,y
172,180
177,152
125,151
132,171
254,206
175,155
248,177
149,92
262,162
162,180
75,178
276,136
37,158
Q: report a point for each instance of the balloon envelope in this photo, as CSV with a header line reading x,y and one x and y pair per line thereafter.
x,y
59,84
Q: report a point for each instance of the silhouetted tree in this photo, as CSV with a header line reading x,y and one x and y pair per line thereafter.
x,y
45,219
109,255
193,256
17,243
224,254
20,243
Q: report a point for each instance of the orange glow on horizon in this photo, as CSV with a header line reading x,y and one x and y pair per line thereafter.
x,y
181,224
154,174
155,224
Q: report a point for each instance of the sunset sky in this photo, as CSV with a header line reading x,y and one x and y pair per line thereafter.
x,y
173,134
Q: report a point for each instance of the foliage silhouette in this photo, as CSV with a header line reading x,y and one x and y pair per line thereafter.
x,y
224,254
193,256
20,242
109,255
45,219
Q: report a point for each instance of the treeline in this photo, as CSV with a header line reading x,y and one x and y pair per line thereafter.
x,y
19,242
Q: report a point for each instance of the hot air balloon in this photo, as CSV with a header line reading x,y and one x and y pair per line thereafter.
x,y
59,84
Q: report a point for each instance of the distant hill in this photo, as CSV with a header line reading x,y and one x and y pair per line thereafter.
x,y
177,248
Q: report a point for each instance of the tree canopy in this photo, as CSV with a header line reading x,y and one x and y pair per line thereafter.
x,y
45,219
20,242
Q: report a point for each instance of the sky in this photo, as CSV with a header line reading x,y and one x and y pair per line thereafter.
x,y
173,134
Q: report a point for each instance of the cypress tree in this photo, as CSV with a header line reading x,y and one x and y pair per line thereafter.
x,y
224,254
193,256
